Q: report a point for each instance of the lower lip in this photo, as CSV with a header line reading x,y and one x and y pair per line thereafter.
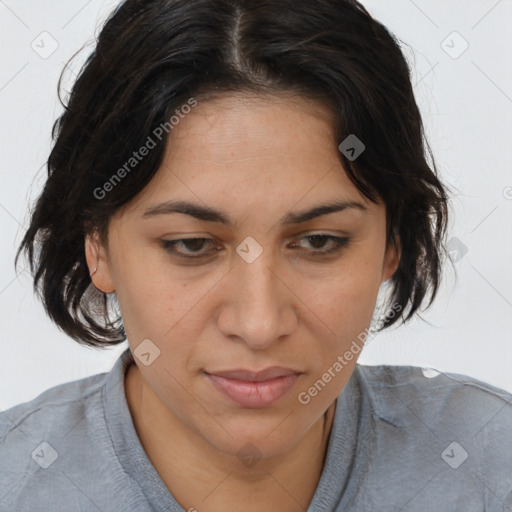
x,y
254,394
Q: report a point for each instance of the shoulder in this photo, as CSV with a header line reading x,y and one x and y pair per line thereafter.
x,y
446,426
58,451
42,439
440,396
52,408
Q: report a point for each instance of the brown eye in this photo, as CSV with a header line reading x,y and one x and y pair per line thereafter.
x,y
318,241
193,247
318,244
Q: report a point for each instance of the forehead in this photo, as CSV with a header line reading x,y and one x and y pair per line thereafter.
x,y
231,128
244,150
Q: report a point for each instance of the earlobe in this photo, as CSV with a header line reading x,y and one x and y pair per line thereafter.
x,y
98,264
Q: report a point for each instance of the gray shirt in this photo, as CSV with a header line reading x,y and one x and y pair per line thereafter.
x,y
400,441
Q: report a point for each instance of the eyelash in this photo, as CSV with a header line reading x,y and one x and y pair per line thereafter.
x,y
339,244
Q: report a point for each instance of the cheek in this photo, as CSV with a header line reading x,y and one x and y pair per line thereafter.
x,y
165,309
153,309
150,301
157,299
346,300
345,305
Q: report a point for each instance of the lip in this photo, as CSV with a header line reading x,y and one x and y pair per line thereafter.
x,y
255,390
249,376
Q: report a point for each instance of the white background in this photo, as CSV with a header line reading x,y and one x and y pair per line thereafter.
x,y
466,103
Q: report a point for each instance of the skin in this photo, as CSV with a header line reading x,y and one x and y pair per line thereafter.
x,y
256,159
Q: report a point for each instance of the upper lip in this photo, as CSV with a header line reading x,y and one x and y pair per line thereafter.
x,y
260,376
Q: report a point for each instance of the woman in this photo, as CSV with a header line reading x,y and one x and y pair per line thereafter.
x,y
241,179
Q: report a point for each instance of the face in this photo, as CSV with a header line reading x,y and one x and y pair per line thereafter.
x,y
251,285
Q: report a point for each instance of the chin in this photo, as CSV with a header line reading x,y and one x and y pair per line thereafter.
x,y
261,439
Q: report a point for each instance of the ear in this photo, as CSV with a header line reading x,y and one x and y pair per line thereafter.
x,y
99,266
391,259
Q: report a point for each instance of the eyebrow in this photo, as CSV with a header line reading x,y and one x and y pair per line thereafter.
x,y
209,214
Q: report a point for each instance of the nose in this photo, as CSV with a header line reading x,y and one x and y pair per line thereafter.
x,y
260,306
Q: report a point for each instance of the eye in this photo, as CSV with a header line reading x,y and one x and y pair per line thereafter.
x,y
194,246
318,242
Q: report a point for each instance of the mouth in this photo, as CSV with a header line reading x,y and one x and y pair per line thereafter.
x,y
254,389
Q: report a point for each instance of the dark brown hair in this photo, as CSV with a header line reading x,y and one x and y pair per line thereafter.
x,y
152,56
